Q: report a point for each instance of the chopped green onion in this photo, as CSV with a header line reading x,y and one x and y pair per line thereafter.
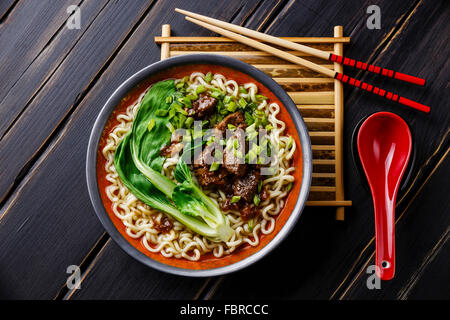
x,y
192,97
227,99
252,156
259,186
251,224
181,120
269,127
189,121
208,77
151,124
218,155
214,166
235,199
235,144
161,112
216,94
256,200
243,90
260,97
169,99
252,106
251,128
213,120
232,106
289,187
238,154
290,141
242,102
231,127
200,89
248,119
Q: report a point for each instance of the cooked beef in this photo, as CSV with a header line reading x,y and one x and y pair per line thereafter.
x,y
207,178
204,105
237,119
249,212
234,159
247,186
227,205
212,179
164,226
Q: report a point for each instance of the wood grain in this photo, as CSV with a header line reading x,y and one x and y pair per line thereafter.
x,y
53,101
48,223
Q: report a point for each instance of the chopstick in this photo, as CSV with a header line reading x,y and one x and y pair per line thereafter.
x,y
305,49
308,64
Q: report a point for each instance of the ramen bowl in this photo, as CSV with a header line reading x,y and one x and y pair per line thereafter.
x,y
178,67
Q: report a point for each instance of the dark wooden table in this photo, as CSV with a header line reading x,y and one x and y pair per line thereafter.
x,y
54,81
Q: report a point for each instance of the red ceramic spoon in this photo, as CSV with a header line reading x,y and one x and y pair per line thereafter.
x,y
384,146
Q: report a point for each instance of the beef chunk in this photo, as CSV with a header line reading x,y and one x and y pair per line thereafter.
x,y
237,119
247,186
207,178
212,179
249,212
204,105
164,226
233,159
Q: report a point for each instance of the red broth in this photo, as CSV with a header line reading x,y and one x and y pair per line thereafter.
x,y
207,261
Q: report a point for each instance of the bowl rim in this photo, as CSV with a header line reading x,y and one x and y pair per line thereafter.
x,y
133,81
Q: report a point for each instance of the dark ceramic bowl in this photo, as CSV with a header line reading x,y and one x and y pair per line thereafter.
x,y
295,201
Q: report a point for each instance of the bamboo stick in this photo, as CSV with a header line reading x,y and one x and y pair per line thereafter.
x,y
165,46
159,40
263,47
322,189
320,97
256,35
324,175
329,203
175,53
339,125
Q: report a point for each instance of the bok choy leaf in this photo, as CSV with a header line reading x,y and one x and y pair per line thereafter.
x,y
138,163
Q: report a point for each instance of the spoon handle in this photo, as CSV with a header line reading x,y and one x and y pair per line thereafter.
x,y
384,238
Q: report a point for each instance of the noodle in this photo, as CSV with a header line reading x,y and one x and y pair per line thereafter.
x,y
180,242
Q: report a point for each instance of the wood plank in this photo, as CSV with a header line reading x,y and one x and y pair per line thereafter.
x,y
28,29
105,280
6,6
51,208
44,64
53,101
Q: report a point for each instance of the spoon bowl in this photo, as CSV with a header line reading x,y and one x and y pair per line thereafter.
x,y
384,147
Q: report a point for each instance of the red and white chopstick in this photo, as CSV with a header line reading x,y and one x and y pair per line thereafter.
x,y
224,28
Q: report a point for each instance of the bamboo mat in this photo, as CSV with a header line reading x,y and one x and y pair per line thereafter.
x,y
320,101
